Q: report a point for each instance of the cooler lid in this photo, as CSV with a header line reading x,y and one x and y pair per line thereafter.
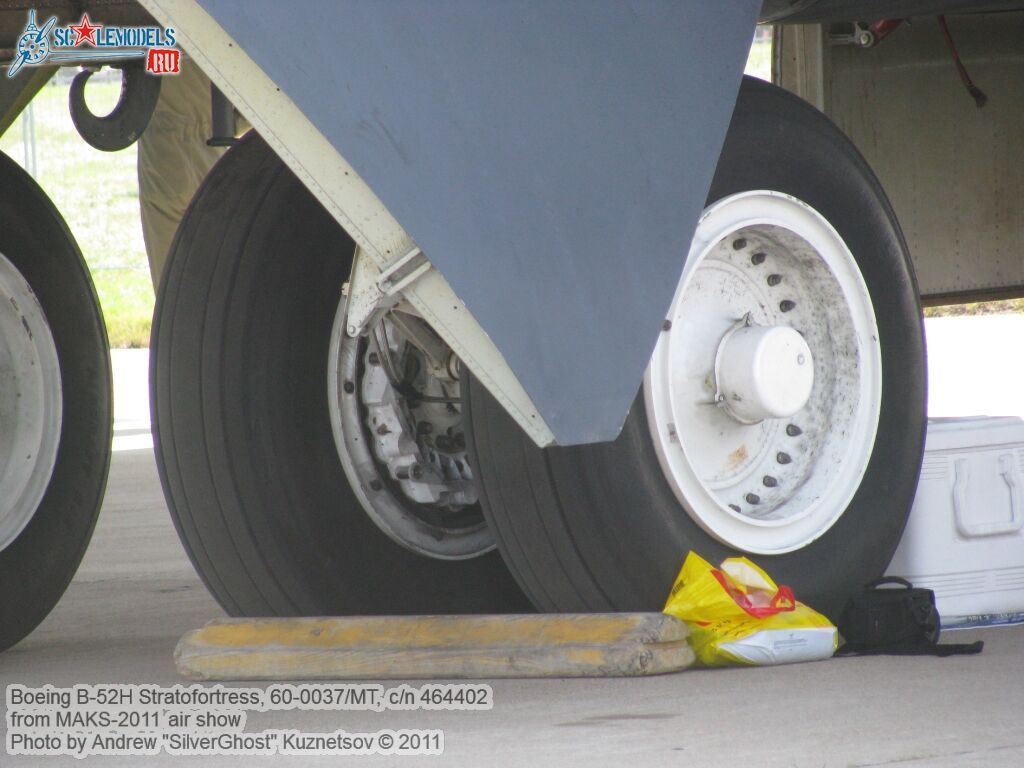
x,y
957,433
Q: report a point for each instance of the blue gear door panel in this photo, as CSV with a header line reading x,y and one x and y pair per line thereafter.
x,y
550,158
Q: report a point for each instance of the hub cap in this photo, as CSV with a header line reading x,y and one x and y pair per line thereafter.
x,y
763,372
763,393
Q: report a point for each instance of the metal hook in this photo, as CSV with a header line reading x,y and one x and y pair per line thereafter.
x,y
125,124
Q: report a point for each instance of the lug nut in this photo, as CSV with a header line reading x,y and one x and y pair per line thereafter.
x,y
786,305
349,387
375,485
753,498
734,508
774,280
769,481
739,244
783,458
793,430
667,325
373,358
757,259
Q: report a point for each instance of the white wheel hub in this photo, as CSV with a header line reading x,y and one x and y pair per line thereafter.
x,y
30,403
764,391
401,443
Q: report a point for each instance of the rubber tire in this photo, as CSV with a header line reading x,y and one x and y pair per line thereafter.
x,y
596,528
38,565
240,412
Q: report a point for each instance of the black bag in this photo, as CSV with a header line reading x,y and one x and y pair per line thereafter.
x,y
895,621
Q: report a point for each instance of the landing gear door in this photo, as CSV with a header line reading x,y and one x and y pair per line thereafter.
x,y
550,159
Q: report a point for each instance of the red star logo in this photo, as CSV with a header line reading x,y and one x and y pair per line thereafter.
x,y
85,32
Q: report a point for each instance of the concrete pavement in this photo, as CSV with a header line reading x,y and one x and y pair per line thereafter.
x,y
136,593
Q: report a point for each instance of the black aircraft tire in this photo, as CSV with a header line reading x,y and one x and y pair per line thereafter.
x,y
37,565
244,444
597,528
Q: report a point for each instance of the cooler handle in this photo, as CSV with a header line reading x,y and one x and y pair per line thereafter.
x,y
1013,483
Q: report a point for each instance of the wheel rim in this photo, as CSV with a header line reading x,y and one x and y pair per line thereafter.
x,y
30,403
764,391
380,469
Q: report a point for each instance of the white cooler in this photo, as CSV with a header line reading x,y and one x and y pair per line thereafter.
x,y
964,538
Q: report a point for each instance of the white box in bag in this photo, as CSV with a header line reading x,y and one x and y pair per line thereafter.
x,y
964,538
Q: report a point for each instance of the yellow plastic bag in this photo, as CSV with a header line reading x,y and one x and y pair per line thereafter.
x,y
738,615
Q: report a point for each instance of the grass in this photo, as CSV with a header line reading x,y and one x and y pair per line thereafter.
x,y
759,63
97,193
1005,307
126,297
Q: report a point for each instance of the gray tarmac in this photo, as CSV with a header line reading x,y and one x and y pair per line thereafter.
x,y
136,594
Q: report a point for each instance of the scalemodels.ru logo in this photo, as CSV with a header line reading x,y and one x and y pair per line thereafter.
x,y
86,41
